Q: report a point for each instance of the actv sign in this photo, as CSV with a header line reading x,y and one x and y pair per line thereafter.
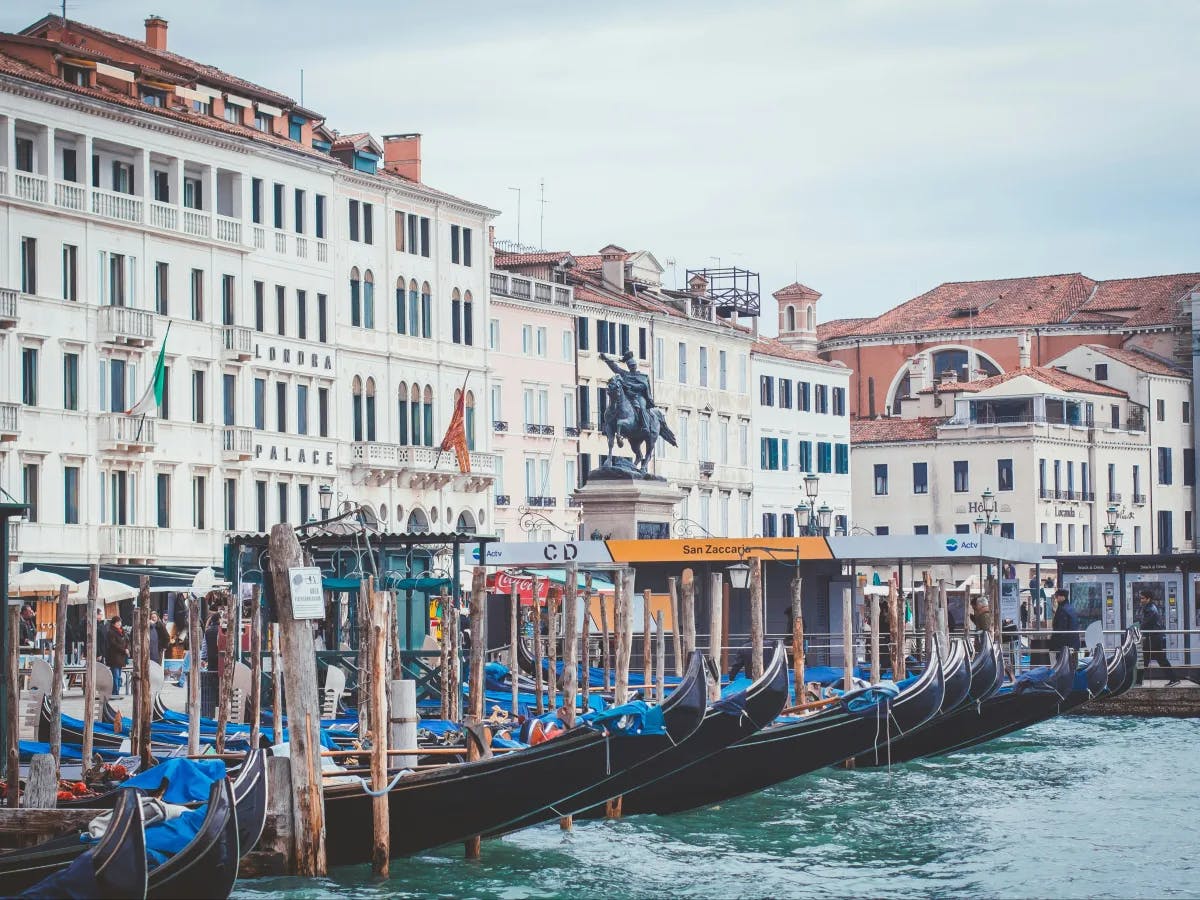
x,y
961,545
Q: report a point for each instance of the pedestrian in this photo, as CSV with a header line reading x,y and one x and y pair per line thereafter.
x,y
1025,615
101,636
28,624
981,618
1154,641
1065,625
212,634
158,638
117,654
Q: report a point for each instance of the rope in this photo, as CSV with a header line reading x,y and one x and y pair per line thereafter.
x,y
395,781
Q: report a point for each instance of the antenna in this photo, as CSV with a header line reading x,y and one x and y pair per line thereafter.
x,y
542,214
518,190
302,87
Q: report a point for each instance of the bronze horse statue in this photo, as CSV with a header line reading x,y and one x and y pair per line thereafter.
x,y
620,421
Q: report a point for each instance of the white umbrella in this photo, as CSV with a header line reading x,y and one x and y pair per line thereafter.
x,y
36,583
107,591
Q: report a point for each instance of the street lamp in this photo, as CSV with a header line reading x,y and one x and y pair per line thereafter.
x,y
1113,539
325,499
1112,512
739,576
824,517
988,503
812,482
979,523
803,515
993,525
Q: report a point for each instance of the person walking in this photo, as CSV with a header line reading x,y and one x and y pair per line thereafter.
x,y
1066,626
101,636
158,638
117,653
981,618
1154,641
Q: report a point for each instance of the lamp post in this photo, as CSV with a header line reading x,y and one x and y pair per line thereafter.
x,y
1113,539
325,500
812,520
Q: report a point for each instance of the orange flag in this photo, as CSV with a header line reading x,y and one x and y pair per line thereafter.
x,y
456,435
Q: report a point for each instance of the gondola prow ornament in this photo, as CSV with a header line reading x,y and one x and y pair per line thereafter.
x,y
631,416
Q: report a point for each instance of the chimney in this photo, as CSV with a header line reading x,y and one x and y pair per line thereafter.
x,y
612,269
402,155
1023,350
948,377
156,32
698,286
916,374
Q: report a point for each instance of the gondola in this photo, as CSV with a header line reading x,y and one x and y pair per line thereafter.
x,y
727,721
959,677
1089,681
1035,697
115,866
1129,655
450,803
790,748
207,865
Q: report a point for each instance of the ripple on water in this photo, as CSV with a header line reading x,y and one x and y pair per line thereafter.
x,y
1074,807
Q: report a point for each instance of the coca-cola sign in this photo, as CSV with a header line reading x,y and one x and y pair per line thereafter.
x,y
505,582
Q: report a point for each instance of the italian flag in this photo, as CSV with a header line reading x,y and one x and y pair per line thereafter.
x,y
152,398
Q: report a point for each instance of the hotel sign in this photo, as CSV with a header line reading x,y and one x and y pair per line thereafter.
x,y
297,457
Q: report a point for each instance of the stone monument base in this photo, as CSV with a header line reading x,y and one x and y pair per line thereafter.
x,y
627,509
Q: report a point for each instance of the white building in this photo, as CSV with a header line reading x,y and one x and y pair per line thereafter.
x,y
323,310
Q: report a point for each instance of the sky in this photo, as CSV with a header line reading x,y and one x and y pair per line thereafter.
x,y
870,149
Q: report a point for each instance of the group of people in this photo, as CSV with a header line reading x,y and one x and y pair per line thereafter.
x,y
112,644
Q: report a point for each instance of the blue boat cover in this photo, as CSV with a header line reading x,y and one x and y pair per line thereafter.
x,y
167,838
868,700
28,749
189,779
1035,680
78,880
641,718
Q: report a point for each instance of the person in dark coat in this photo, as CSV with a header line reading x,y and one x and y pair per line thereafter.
x,y
212,634
1154,641
1065,624
117,652
101,636
158,638
741,657
28,625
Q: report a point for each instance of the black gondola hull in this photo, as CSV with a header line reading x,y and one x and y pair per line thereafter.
x,y
208,865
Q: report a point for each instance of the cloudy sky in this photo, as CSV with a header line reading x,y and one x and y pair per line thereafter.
x,y
870,148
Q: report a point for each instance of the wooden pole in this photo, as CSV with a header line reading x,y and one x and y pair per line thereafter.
x,y
456,695
478,644
623,625
447,713
848,638
756,618
660,661
676,625
647,647
606,662
716,591
514,629
56,687
570,645
225,653
876,663
377,612
255,700
996,582
538,674
552,596
89,662
142,713
402,718
366,674
585,651
896,606
12,713
943,618
277,712
726,606
687,608
798,636
193,677
300,674
930,617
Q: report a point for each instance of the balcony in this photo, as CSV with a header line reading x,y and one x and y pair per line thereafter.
x,y
322,252
499,425
114,205
8,307
1087,496
237,343
1045,494
571,431
535,428
27,186
237,443
1114,497
164,216
503,500
1139,499
68,195
421,467
542,502
10,421
14,544
127,543
707,467
574,503
196,223
127,434
228,230
126,325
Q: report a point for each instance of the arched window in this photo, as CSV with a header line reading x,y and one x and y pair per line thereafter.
x,y
414,415
426,311
468,320
368,300
465,524
456,317
401,307
370,409
811,315
418,522
414,309
427,415
402,413
355,297
469,419
789,316
356,407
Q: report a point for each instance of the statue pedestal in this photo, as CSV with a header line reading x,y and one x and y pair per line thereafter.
x,y
628,509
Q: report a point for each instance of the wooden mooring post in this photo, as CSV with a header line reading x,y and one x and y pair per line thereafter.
x,y
623,622
676,625
254,704
605,646
873,613
570,684
930,618
475,711
142,709
226,657
276,687
687,609
538,674
193,676
377,641
89,663
12,666
552,597
300,673
56,687
585,649
756,617
716,593
798,637
896,608
848,646
647,648
660,662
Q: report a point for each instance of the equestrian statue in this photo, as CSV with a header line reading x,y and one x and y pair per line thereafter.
x,y
631,415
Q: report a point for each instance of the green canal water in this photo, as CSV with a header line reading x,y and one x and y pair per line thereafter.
x,y
1075,807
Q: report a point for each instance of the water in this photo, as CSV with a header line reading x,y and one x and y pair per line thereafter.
x,y
1074,807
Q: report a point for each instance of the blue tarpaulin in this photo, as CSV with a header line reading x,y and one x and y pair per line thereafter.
x,y
167,838
189,779
639,718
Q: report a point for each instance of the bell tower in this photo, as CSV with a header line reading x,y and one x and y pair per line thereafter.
x,y
798,316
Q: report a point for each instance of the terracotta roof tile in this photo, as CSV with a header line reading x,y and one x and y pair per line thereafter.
x,y
836,328
796,289
1047,375
1140,360
505,258
890,430
1143,301
773,347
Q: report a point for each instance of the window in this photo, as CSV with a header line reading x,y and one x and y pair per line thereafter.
x,y
260,403
28,265
585,408
424,237
281,490
368,211
162,483
1137,483
29,486
542,341
1160,409
229,396
920,529
301,409
703,367
164,409
319,215
1004,475
29,376
568,346
302,315
1186,412
766,390
322,319
722,370
426,310
770,525
1166,540
785,393
494,334
839,401
803,396
743,442
199,502
723,440
804,457
681,349
641,343
260,505
961,528
569,417
197,283
368,297
162,282
1101,371
1164,464
302,492
454,256
821,398
70,381
71,495
355,297
281,407
882,530
256,201
198,396
881,479
234,113
824,457
122,177
228,300
1189,466
70,272
841,460
1187,525
230,504
323,412
353,209
769,454
961,481
298,211
684,435
581,332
